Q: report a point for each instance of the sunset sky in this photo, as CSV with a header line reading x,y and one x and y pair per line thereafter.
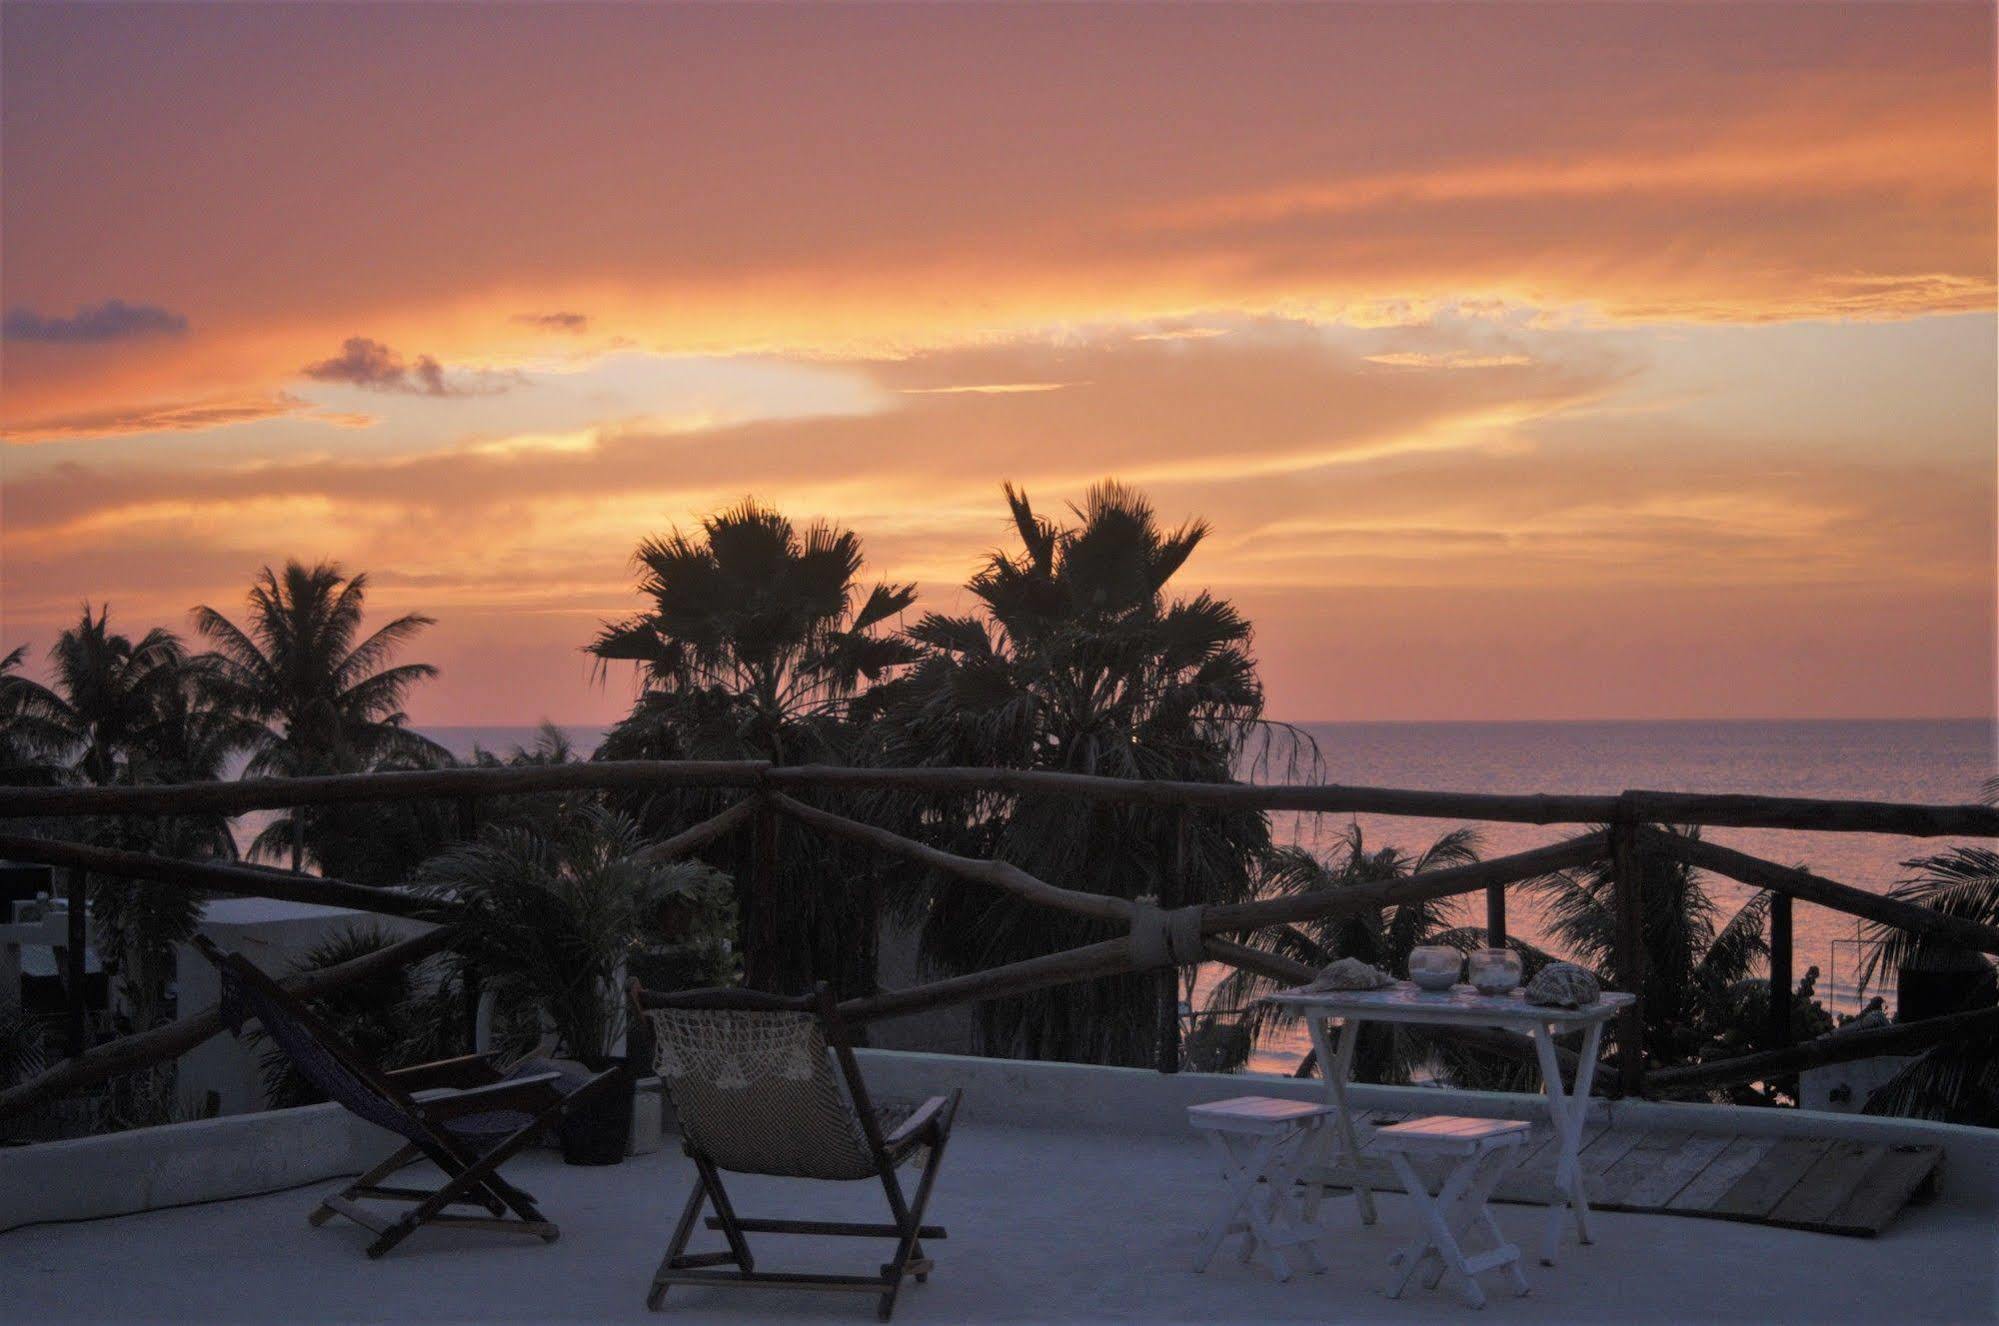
x,y
1535,362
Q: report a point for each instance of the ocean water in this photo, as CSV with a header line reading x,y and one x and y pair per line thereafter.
x,y
1940,760
1935,760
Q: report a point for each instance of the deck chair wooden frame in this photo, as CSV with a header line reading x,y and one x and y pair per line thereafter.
x,y
929,1126
472,1177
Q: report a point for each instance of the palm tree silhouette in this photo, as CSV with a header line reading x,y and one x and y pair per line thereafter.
x,y
756,611
105,694
121,711
1077,659
36,737
759,643
1957,1081
325,699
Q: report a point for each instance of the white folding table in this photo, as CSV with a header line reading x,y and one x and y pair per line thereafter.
x,y
1321,1009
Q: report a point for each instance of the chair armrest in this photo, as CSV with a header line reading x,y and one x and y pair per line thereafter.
x,y
468,1070
926,1124
532,1094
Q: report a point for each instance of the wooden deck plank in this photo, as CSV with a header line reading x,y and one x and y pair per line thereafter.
x,y
1805,1183
1706,1187
1827,1184
1542,1156
1889,1186
1598,1156
1523,1188
1648,1157
1663,1182
1766,1184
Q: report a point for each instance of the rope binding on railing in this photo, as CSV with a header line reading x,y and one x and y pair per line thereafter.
x,y
1163,938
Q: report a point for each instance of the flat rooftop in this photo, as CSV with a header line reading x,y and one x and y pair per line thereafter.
x,y
1046,1224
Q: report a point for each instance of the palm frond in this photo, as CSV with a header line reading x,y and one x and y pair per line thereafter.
x,y
1961,881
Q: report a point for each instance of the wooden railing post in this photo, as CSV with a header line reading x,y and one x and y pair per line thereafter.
x,y
1627,883
1174,891
1495,916
468,969
1780,971
761,968
76,972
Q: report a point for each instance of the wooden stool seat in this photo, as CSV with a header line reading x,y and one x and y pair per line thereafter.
x,y
1451,1135
1481,1151
1257,1139
1255,1114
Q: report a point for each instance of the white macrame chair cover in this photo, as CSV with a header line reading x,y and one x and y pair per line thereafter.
x,y
759,1093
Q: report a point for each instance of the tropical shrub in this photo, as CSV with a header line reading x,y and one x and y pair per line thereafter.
x,y
1697,957
1958,1081
555,918
394,1017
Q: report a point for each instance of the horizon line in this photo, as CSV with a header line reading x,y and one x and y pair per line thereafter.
x,y
1414,722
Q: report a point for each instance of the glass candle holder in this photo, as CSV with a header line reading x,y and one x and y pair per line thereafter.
x,y
1435,966
1495,970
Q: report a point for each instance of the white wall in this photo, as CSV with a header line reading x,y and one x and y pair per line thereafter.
x,y
229,1157
148,1168
273,935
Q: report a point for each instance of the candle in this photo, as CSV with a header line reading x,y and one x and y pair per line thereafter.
x,y
1495,970
1435,966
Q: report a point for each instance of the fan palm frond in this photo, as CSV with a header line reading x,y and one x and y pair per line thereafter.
x,y
1961,881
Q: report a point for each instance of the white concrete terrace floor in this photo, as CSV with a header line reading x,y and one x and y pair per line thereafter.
x,y
1045,1225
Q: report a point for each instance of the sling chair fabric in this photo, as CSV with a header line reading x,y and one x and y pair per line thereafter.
x,y
468,1135
768,1085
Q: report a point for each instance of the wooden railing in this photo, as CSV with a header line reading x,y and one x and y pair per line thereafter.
x,y
1163,935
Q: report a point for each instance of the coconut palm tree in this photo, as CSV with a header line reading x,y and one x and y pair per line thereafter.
x,y
327,699
1076,658
1696,959
36,737
105,693
759,642
188,736
125,711
191,736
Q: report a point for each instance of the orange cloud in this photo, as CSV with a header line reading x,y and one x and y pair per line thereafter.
x,y
1475,321
1325,476
185,417
845,184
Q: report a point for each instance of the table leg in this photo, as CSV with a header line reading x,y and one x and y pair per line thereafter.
x,y
1568,1111
1579,1096
1336,1064
1323,1139
1241,1180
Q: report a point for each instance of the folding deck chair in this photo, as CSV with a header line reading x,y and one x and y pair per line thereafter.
x,y
753,1079
468,1135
